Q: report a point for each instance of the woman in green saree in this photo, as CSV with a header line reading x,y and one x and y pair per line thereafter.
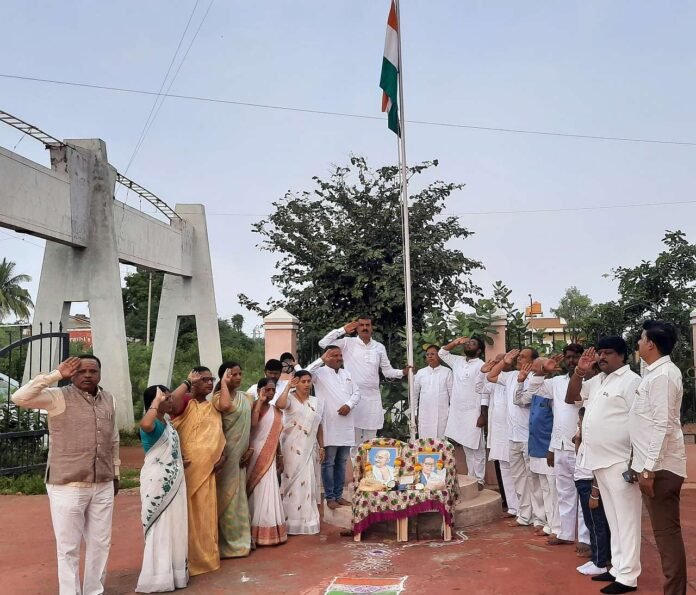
x,y
234,532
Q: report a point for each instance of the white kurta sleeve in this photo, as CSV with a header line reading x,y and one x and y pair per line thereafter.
x,y
386,367
334,338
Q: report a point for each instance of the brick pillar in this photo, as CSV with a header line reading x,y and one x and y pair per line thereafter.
x,y
280,333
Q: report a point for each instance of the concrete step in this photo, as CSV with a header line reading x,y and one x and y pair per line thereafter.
x,y
468,488
341,517
485,508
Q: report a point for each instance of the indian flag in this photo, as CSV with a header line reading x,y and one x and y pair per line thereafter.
x,y
389,81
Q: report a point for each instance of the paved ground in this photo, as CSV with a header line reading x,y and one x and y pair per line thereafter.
x,y
493,560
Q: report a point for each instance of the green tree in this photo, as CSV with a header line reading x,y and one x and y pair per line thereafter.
x,y
14,299
340,253
574,307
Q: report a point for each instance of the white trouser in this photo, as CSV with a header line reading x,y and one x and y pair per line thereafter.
x,y
623,507
77,513
536,494
549,497
564,465
508,487
519,469
361,436
476,462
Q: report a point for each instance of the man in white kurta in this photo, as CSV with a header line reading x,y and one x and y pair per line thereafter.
x,y
498,430
562,448
432,390
465,421
606,450
364,358
530,505
338,396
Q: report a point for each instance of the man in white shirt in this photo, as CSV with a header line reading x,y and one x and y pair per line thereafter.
x,y
272,370
364,358
498,432
561,454
606,451
659,456
530,503
334,386
432,390
465,421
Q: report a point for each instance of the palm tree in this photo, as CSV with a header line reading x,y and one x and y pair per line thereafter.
x,y
14,299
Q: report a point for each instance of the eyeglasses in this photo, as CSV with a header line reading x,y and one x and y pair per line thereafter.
x,y
207,378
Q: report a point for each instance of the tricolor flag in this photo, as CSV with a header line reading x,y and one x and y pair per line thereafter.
x,y
389,81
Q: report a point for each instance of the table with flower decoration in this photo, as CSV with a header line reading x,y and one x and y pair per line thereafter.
x,y
370,507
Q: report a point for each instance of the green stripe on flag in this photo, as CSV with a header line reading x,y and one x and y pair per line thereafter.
x,y
389,82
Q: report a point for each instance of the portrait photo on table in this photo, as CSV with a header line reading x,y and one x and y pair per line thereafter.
x,y
430,476
382,460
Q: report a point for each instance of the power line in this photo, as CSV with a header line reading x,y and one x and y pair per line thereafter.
x,y
145,128
352,115
517,212
23,239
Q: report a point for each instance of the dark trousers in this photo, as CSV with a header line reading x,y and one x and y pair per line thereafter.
x,y
333,471
499,477
664,517
596,521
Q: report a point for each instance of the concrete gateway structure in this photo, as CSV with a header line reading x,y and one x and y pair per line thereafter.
x,y
88,233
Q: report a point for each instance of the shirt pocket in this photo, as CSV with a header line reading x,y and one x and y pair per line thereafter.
x,y
641,403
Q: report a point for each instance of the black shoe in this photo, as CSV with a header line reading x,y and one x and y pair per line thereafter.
x,y
606,577
617,587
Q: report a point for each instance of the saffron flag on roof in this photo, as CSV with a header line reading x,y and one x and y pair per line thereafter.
x,y
389,81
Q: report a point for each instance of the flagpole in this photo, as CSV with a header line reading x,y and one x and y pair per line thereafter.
x,y
406,232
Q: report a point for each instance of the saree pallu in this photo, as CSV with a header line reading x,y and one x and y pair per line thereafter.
x,y
202,443
299,488
163,514
265,504
233,506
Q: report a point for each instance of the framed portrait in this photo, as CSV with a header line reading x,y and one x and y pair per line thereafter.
x,y
430,476
381,459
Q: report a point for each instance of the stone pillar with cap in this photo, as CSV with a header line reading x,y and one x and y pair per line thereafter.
x,y
499,323
280,333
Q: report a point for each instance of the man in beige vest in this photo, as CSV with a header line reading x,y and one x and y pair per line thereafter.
x,y
82,470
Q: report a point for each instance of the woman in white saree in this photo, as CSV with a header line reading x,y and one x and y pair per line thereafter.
x,y
163,497
302,445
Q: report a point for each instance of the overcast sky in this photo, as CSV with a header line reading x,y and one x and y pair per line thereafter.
x,y
620,69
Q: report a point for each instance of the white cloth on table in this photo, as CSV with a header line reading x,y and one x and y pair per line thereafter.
x,y
335,388
79,513
465,404
364,361
432,389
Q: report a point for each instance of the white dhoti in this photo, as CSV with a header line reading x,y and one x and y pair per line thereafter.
x,y
77,513
544,495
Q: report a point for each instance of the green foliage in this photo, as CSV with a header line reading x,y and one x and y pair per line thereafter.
x,y
27,485
14,299
340,254
574,307
129,478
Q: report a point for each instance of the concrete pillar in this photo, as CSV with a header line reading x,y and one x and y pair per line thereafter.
x,y
280,333
188,296
90,274
499,323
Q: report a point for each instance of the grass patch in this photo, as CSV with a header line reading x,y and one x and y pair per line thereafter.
x,y
31,485
22,484
129,437
130,478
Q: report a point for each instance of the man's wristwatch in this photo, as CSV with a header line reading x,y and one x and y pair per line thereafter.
x,y
647,474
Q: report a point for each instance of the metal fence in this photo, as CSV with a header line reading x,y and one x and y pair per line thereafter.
x,y
24,432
